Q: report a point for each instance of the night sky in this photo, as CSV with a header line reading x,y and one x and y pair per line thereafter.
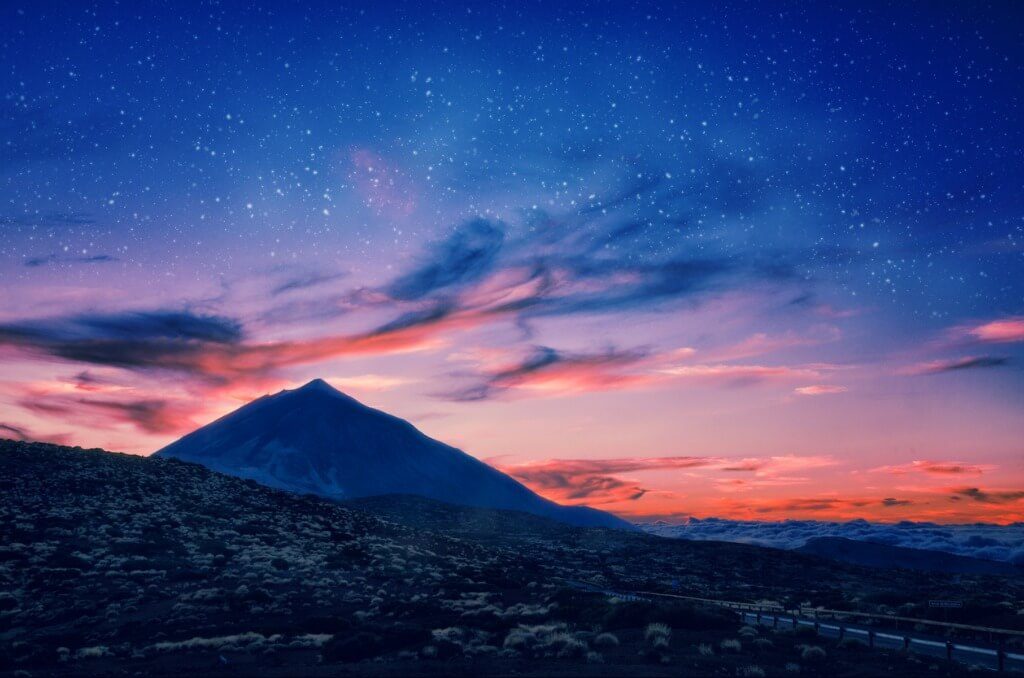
x,y
760,260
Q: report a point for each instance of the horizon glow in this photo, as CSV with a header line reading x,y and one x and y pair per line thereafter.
x,y
759,263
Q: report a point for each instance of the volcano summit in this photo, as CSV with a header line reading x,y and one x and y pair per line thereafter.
x,y
317,440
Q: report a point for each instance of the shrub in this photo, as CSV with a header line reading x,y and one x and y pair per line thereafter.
x,y
792,667
705,650
852,644
606,640
687,617
762,644
353,648
812,654
565,646
626,614
805,632
751,671
656,634
730,645
747,632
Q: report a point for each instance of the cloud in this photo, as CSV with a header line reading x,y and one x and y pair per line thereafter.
x,y
545,372
548,371
148,415
23,434
465,256
207,347
739,375
590,480
48,219
994,542
819,389
988,496
303,281
811,504
999,331
172,339
369,382
36,262
595,481
959,364
484,273
935,468
17,432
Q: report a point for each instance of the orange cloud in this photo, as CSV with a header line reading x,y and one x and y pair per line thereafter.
x,y
935,467
595,481
589,481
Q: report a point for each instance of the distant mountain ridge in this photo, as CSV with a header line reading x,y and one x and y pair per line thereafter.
x,y
317,440
872,554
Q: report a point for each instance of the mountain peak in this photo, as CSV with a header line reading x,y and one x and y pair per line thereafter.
x,y
318,385
316,440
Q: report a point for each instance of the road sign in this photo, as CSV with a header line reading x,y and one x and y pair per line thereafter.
x,y
948,604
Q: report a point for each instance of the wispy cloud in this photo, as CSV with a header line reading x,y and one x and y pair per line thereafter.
x,y
597,481
591,480
987,496
552,372
1004,330
958,365
819,389
546,372
369,382
17,432
51,259
148,415
935,468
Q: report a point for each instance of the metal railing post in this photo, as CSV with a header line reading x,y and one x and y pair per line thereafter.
x,y
871,638
949,650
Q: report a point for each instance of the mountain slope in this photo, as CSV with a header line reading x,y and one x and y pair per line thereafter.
x,y
318,440
871,554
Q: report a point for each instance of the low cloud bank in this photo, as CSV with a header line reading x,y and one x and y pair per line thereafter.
x,y
993,542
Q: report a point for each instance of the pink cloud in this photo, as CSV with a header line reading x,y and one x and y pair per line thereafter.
x,y
999,331
819,389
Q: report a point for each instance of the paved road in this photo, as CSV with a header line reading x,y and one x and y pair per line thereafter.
x,y
920,643
977,655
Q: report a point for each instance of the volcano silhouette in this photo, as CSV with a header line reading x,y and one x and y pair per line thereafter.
x,y
317,440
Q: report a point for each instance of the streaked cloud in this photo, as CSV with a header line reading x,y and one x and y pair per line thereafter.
x,y
958,365
935,468
819,389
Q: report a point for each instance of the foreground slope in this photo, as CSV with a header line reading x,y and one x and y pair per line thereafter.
x,y
318,440
119,565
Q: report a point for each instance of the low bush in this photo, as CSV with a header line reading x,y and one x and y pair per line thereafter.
x,y
353,648
730,645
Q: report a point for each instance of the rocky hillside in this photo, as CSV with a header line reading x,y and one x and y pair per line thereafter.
x,y
115,564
